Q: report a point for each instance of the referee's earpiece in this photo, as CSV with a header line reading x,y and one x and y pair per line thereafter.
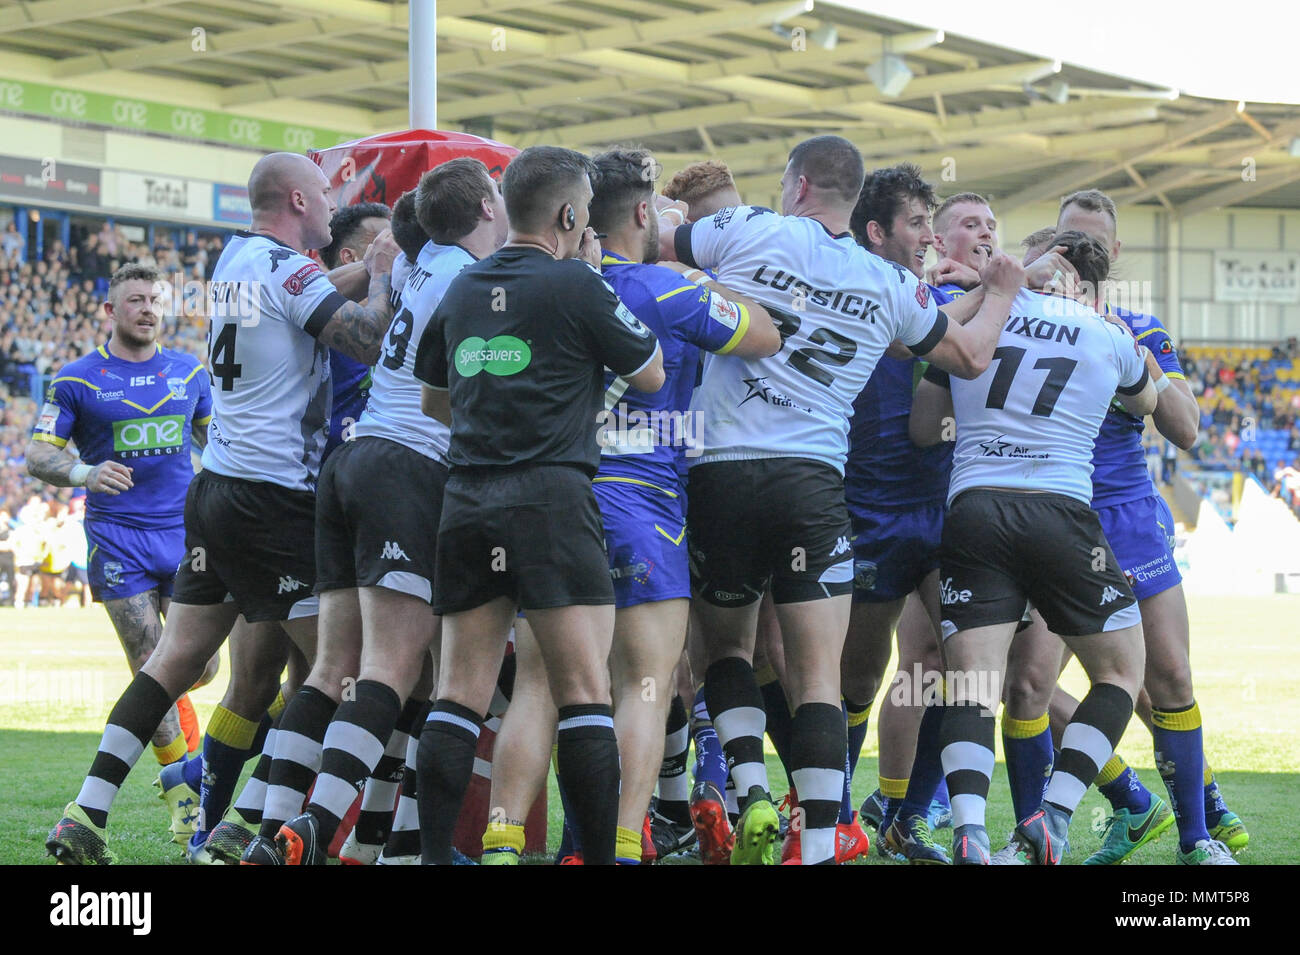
x,y
568,218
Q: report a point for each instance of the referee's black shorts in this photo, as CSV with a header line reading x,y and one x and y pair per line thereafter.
x,y
378,504
1001,548
532,534
250,542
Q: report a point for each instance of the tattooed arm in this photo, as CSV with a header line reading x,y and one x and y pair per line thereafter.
x,y
59,467
358,330
199,435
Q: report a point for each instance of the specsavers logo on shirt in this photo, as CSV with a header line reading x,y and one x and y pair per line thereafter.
x,y
503,355
146,437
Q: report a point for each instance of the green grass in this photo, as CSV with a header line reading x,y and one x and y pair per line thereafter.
x,y
61,671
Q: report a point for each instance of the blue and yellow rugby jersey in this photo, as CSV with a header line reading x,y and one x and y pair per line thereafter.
x,y
138,414
1119,468
644,436
351,384
884,468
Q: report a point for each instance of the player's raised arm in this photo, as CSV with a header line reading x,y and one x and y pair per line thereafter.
x,y
966,350
756,335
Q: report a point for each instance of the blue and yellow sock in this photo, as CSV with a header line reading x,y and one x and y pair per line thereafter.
x,y
1121,786
1180,760
1028,746
1215,806
627,847
710,760
503,843
892,794
855,725
226,747
926,781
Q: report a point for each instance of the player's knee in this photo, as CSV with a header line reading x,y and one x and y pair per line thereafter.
x,y
210,671
1026,694
1170,685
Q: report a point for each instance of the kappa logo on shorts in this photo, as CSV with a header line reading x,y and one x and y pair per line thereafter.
x,y
289,584
1109,594
842,546
393,551
949,595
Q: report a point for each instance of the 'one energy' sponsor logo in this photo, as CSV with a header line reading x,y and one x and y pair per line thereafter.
x,y
503,355
147,437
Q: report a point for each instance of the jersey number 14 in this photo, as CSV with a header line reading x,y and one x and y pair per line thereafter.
x,y
221,356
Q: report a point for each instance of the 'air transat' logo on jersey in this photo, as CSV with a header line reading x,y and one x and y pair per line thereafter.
x,y
503,355
146,437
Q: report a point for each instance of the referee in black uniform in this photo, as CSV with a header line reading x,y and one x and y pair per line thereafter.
x,y
513,359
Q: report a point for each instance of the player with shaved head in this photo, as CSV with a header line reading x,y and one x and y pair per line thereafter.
x,y
249,516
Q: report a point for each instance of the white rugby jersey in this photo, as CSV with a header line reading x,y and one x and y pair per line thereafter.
x,y
1030,420
838,305
393,411
270,377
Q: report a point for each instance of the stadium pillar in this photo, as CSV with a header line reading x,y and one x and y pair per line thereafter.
x,y
422,64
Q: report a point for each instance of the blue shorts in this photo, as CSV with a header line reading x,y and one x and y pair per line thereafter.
x,y
645,538
893,550
125,561
1141,533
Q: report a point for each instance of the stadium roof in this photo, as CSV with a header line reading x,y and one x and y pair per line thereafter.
x,y
740,80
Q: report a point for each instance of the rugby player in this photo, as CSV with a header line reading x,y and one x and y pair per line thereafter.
x,y
249,513
1139,526
133,409
529,330
895,493
769,484
643,436
375,538
1013,534
352,229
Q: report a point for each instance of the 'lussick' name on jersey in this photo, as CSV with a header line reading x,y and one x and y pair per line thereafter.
x,y
838,305
1119,465
394,411
138,413
1029,421
271,381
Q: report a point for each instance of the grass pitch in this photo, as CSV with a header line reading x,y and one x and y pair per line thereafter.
x,y
61,671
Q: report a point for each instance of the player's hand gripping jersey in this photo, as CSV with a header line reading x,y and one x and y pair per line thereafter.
x,y
1030,420
838,306
139,414
271,382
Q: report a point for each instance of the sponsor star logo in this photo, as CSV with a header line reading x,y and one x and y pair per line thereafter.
x,y
996,447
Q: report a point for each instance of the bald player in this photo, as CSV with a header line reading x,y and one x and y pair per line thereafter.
x,y
249,516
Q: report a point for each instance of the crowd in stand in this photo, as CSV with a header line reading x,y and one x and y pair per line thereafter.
x,y
1250,415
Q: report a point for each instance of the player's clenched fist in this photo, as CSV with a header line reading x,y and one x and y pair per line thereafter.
x,y
1003,275
109,478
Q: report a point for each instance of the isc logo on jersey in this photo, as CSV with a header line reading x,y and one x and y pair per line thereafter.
x,y
146,437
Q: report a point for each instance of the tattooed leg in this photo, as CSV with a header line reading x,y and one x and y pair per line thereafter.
x,y
138,627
